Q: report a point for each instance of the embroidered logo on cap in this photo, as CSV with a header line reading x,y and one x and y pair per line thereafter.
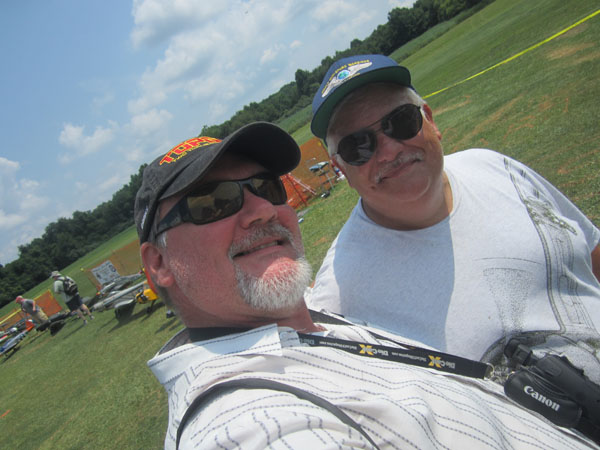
x,y
180,150
343,74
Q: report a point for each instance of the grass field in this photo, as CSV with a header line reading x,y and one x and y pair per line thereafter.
x,y
89,387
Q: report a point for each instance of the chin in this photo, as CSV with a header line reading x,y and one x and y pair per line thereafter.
x,y
280,286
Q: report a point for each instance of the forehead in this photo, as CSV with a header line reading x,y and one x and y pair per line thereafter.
x,y
371,100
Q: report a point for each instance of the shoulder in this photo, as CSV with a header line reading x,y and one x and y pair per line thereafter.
x,y
482,163
474,156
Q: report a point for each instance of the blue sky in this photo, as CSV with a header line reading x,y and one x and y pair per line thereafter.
x,y
92,89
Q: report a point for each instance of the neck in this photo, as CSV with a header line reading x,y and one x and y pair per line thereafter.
x,y
300,321
298,318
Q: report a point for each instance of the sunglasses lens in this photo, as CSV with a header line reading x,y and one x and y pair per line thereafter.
x,y
214,202
217,201
357,148
270,189
403,123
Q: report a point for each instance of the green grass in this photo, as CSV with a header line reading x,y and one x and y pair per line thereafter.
x,y
323,219
296,120
539,108
89,387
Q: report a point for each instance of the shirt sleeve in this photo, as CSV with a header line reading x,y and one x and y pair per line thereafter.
x,y
563,204
258,419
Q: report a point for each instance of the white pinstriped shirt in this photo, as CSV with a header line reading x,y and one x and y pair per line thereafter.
x,y
398,405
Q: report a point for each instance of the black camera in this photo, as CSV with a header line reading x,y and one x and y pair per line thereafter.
x,y
554,388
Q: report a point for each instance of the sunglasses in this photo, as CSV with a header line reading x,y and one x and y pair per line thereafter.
x,y
215,201
402,123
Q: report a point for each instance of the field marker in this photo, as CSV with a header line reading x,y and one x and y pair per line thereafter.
x,y
579,22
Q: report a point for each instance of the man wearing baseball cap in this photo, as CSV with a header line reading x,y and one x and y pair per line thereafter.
x,y
254,368
460,252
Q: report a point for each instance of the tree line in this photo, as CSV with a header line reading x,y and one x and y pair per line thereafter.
x,y
68,239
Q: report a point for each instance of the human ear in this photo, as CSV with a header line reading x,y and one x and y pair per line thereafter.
x,y
155,264
429,117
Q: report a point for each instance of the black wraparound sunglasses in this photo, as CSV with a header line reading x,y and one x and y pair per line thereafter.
x,y
220,199
402,123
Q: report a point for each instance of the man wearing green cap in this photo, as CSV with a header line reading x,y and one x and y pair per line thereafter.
x,y
461,252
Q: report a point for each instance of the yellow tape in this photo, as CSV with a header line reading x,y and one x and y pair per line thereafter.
x,y
8,316
579,22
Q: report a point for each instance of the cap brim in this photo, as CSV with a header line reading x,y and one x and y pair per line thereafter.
x,y
262,142
395,74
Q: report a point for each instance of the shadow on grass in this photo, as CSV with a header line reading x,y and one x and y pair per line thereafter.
x,y
142,313
172,323
71,329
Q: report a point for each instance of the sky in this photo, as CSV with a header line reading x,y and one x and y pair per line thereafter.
x,y
90,90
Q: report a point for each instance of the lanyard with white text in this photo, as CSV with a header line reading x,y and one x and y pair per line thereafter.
x,y
414,356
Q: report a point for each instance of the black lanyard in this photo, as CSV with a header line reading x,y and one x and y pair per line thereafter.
x,y
407,354
415,356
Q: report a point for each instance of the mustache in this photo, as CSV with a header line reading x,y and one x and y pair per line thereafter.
x,y
261,232
401,158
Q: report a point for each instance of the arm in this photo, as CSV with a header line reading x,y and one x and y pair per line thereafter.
x,y
266,418
596,262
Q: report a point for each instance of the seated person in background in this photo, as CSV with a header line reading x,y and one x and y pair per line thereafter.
x,y
461,252
252,369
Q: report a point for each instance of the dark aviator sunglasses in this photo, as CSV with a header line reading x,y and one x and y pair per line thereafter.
x,y
401,124
220,199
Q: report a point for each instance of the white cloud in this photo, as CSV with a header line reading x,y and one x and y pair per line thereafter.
x,y
73,137
150,122
333,10
111,184
8,167
296,44
158,20
347,27
269,54
216,60
99,102
19,203
8,221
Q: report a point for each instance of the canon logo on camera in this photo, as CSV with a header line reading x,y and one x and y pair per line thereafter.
x,y
541,398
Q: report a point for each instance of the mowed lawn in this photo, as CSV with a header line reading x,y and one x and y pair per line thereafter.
x,y
89,387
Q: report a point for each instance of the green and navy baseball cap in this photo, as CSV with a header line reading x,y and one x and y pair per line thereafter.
x,y
348,74
188,162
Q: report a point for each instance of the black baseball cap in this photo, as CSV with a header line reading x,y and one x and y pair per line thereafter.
x,y
186,163
348,74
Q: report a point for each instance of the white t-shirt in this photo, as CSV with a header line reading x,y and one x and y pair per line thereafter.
x,y
512,259
397,405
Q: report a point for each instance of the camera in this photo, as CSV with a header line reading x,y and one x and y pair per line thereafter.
x,y
553,387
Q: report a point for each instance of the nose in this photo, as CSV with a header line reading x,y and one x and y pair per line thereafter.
x,y
387,148
256,210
